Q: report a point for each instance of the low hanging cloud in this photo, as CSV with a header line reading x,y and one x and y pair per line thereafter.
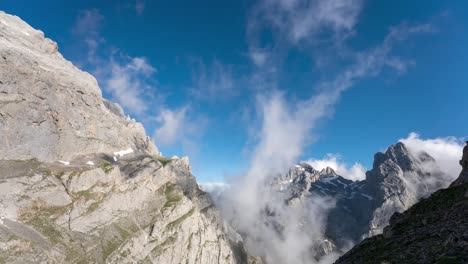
x,y
356,172
446,151
286,127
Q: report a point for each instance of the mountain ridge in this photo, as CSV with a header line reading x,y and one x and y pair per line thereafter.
x,y
80,182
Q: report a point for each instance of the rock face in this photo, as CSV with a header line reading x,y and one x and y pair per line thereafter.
x,y
434,230
82,183
397,180
49,109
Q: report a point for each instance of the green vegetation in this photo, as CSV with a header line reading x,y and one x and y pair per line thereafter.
x,y
164,161
124,234
172,196
109,247
75,256
178,221
106,167
42,217
93,207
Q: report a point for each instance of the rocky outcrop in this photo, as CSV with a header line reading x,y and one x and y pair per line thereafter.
x,y
434,230
82,183
139,209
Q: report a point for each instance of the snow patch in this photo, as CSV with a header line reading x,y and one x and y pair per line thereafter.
x,y
123,152
64,162
90,163
115,158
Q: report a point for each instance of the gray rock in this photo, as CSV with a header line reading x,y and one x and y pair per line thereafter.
x,y
49,109
64,195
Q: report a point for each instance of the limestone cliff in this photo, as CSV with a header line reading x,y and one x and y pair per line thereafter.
x,y
82,183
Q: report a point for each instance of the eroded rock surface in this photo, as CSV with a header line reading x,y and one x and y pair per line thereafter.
x,y
49,109
82,183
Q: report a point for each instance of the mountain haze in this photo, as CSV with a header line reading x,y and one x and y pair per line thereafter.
x,y
334,212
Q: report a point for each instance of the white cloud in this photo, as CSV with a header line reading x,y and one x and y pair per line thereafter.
x,y
356,172
127,79
180,126
286,128
307,19
172,127
215,189
446,151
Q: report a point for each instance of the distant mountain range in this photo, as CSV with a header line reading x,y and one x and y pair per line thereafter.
x,y
359,209
434,230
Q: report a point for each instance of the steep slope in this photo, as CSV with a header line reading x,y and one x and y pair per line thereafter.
x,y
434,230
51,110
82,183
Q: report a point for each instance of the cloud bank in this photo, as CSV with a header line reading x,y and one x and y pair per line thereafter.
x,y
446,151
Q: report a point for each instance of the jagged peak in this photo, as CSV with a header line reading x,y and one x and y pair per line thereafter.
x,y
328,172
396,153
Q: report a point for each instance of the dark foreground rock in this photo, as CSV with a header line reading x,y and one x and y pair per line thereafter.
x,y
435,230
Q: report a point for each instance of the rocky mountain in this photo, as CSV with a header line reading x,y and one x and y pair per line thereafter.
x,y
397,180
80,182
433,230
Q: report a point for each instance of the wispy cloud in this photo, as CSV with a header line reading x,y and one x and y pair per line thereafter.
x,y
89,22
127,81
305,20
287,126
180,126
173,125
130,82
212,82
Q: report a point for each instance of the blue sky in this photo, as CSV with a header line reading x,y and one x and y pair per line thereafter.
x,y
230,83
